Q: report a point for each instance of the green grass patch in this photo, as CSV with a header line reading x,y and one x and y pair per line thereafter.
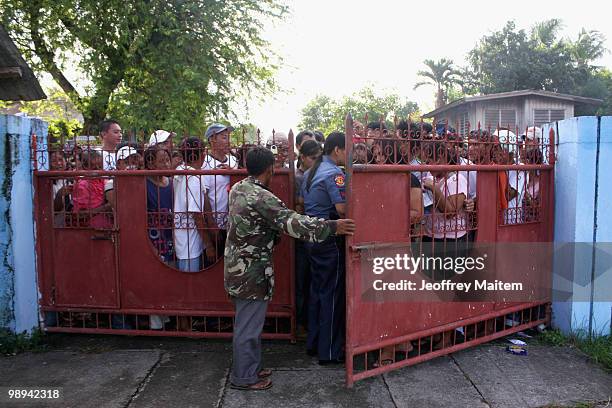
x,y
553,338
13,343
599,348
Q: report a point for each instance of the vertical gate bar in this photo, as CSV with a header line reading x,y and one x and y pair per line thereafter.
x,y
291,203
349,275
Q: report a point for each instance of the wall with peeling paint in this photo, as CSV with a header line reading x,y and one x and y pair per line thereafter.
x,y
18,288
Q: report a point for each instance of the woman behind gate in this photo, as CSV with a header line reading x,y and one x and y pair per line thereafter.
x,y
323,192
159,210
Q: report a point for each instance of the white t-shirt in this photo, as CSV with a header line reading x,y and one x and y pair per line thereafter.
x,y
58,217
189,196
57,186
109,184
470,176
109,160
517,179
219,187
438,225
427,195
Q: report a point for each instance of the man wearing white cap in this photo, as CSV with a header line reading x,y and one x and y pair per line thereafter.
x,y
128,158
162,138
218,157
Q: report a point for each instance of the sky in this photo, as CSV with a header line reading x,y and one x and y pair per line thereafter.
x,y
335,47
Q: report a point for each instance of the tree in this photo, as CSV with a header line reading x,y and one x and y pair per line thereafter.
x,y
319,113
598,85
588,47
57,110
512,59
327,114
153,63
442,76
545,32
57,106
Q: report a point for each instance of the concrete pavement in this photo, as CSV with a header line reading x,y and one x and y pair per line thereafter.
x,y
114,371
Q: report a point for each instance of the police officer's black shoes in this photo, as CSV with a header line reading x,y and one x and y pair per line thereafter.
x,y
312,352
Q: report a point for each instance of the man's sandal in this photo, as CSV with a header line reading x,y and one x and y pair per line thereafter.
x,y
383,362
264,384
264,373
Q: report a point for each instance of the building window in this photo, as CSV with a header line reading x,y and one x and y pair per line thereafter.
x,y
464,123
505,118
541,116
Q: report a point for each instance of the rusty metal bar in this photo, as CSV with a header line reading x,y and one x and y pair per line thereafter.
x,y
446,327
163,333
401,168
437,353
162,312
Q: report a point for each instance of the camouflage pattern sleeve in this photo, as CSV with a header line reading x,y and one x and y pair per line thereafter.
x,y
303,227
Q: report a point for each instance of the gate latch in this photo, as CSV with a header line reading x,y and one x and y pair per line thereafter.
x,y
108,236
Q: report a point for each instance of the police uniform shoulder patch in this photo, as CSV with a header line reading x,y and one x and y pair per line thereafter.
x,y
339,180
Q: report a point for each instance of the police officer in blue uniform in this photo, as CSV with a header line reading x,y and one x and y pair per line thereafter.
x,y
323,192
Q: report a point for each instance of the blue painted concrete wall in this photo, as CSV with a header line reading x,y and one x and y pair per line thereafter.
x,y
602,305
583,221
18,288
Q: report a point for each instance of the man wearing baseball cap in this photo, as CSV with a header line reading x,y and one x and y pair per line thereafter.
x,y
161,138
128,158
217,128
218,157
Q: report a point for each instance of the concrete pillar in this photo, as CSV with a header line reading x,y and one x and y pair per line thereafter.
x,y
583,218
18,288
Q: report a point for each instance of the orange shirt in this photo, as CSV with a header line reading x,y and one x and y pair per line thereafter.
x,y
503,189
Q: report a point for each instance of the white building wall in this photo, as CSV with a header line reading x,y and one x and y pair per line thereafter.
x,y
523,106
535,102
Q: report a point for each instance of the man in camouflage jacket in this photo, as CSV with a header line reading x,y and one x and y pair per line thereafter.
x,y
256,219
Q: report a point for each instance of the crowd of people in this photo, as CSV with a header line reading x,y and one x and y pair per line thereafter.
x,y
187,213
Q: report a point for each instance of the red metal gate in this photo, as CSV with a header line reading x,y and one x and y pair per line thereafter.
x,y
109,278
410,331
97,279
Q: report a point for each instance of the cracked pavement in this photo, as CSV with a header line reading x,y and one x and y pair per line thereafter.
x,y
115,371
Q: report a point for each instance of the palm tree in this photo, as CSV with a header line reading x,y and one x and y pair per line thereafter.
x,y
545,33
442,75
588,47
